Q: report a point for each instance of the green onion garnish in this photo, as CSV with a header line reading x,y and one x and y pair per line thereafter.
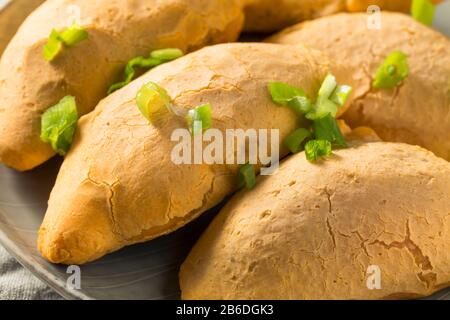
x,y
247,177
330,98
69,37
58,125
322,113
321,110
73,35
292,97
315,149
152,101
199,119
326,128
168,54
301,105
282,93
423,11
155,59
53,47
341,94
326,90
392,71
130,72
295,140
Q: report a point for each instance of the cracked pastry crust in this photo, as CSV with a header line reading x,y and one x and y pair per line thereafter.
x,y
416,112
312,230
118,31
118,185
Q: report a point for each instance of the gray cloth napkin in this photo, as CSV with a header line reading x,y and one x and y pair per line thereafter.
x,y
16,283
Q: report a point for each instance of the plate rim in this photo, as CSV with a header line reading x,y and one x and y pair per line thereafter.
x,y
40,272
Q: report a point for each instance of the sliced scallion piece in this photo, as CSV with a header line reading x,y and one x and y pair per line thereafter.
x,y
53,46
153,101
73,35
69,37
392,71
423,11
321,110
247,177
292,97
294,142
301,105
58,125
330,98
130,72
316,149
199,119
168,54
326,128
282,93
328,87
341,94
155,59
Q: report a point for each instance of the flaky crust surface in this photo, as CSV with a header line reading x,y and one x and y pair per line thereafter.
x,y
312,230
118,185
118,31
416,112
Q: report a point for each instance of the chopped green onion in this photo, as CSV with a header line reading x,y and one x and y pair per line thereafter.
x,y
152,101
392,71
73,35
326,128
300,105
292,97
282,93
423,11
140,62
322,113
247,177
155,59
53,46
295,140
130,72
322,109
328,87
69,37
167,54
341,94
58,125
330,98
315,149
199,119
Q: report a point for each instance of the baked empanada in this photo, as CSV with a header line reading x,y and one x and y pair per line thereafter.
x,y
118,30
371,222
417,110
119,185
